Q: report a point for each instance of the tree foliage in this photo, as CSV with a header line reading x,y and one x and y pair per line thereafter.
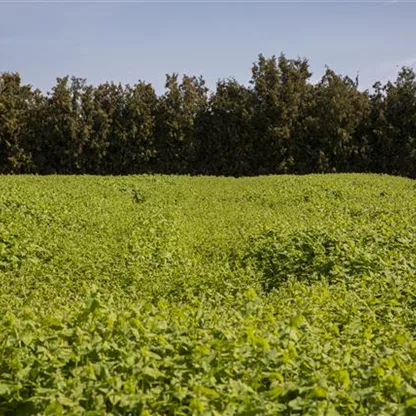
x,y
279,123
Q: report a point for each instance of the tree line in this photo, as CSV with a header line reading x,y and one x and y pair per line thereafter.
x,y
280,123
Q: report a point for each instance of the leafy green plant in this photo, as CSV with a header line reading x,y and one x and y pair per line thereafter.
x,y
213,296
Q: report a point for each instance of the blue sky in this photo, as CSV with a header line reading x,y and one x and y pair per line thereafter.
x,y
125,41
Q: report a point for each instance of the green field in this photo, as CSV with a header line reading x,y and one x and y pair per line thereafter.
x,y
164,295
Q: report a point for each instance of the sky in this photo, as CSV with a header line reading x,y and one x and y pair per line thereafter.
x,y
128,41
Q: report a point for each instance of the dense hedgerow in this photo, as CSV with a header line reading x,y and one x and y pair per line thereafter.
x,y
281,122
175,295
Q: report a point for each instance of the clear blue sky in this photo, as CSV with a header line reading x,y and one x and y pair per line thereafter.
x,y
130,41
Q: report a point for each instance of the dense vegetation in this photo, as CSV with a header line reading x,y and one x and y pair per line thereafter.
x,y
280,123
162,295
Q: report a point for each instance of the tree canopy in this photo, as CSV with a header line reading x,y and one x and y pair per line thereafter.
x,y
280,123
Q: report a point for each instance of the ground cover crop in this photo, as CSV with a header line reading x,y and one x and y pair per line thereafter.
x,y
164,295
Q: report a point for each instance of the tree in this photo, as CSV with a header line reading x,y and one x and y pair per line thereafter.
x,y
280,87
177,111
400,127
63,140
333,121
226,134
18,106
133,118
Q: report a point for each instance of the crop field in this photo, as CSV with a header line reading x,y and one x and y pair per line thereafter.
x,y
176,295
